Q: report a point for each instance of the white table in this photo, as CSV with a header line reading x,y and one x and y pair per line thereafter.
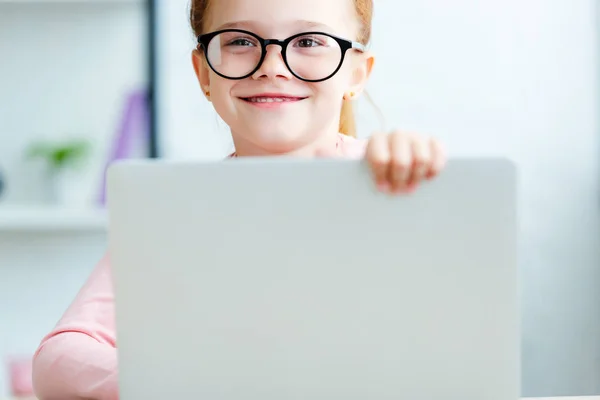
x,y
565,398
527,398
530,398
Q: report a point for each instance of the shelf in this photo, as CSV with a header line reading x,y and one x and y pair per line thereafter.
x,y
40,219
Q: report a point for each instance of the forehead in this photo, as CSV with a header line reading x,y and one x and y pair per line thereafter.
x,y
284,17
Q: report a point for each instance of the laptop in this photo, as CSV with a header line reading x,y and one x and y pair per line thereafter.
x,y
288,279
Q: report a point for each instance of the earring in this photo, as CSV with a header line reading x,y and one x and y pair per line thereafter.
x,y
349,96
207,93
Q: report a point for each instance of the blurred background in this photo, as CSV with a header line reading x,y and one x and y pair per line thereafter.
x,y
85,82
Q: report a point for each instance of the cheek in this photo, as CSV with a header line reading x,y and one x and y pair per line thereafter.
x,y
341,82
221,99
333,89
220,88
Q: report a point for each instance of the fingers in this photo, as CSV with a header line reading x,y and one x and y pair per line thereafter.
x,y
400,162
421,156
400,169
438,159
378,156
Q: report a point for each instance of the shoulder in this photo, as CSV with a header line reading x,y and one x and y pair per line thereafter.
x,y
351,147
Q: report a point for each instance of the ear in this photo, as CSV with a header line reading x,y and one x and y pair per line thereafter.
x,y
202,72
361,73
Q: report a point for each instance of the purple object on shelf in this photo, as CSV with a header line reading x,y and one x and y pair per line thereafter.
x,y
132,138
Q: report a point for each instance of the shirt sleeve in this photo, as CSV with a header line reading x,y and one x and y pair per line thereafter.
x,y
78,358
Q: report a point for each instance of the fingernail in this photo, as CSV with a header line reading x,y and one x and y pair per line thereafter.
x,y
409,189
383,187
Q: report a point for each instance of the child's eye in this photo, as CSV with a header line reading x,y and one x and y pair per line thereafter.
x,y
308,42
240,42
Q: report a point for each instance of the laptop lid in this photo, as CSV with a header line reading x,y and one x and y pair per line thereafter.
x,y
281,279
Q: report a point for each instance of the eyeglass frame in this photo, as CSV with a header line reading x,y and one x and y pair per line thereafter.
x,y
345,45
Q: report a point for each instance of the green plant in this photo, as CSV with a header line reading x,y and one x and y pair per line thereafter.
x,y
59,155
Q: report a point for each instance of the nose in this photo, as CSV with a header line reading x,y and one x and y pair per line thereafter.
x,y
273,65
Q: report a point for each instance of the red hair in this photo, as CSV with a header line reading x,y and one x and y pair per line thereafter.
x,y
364,12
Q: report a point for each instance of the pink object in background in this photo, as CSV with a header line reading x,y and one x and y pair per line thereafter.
x,y
19,373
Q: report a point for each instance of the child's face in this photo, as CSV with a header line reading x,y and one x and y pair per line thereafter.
x,y
313,109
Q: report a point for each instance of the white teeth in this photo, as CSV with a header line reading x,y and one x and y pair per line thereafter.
x,y
269,99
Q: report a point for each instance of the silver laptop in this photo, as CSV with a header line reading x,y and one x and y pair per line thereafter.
x,y
279,279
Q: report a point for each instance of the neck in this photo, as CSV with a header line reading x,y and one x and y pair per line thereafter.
x,y
323,146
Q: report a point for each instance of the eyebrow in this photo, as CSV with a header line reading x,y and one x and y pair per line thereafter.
x,y
253,24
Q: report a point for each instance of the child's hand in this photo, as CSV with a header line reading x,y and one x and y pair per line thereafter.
x,y
400,161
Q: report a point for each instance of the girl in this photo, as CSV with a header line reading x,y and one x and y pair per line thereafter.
x,y
282,74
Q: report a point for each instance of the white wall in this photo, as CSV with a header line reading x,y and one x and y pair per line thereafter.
x,y
40,275
514,78
65,69
188,126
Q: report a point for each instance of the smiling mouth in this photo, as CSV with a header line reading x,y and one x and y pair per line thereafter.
x,y
272,99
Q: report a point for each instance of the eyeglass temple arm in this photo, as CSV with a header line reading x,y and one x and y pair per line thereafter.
x,y
359,46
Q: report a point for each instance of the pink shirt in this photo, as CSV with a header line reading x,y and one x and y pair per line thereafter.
x,y
78,358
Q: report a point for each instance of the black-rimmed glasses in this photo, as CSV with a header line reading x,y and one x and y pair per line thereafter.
x,y
310,56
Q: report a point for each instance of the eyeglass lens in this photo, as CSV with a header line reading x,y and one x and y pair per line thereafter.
x,y
310,57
